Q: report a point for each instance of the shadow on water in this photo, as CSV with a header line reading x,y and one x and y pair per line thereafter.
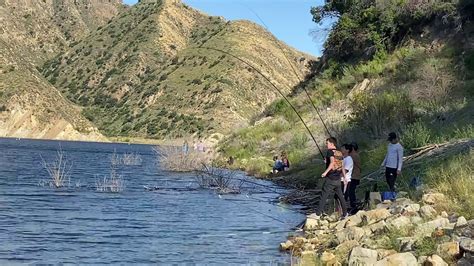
x,y
178,223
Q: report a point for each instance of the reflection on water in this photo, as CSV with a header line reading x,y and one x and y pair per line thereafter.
x,y
178,223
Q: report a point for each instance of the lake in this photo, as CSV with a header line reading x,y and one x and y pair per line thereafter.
x,y
178,223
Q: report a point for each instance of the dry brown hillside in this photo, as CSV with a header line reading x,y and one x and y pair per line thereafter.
x,y
31,32
145,73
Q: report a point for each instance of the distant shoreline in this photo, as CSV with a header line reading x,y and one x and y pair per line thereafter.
x,y
113,140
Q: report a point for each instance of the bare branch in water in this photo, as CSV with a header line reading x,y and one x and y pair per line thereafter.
x,y
58,170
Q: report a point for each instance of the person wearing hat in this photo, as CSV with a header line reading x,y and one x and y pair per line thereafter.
x,y
393,160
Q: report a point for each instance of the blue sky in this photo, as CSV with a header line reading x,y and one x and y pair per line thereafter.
x,y
289,20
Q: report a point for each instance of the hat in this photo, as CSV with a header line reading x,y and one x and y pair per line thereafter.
x,y
392,136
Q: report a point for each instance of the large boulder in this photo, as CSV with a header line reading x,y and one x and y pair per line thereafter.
x,y
383,253
308,257
286,245
399,259
362,256
350,233
312,222
355,220
448,250
328,258
461,222
433,198
399,222
425,229
378,227
428,212
373,216
435,260
467,244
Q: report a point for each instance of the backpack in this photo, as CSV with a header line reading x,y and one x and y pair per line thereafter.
x,y
337,172
338,159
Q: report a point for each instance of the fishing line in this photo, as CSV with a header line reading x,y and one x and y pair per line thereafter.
x,y
273,85
259,212
293,68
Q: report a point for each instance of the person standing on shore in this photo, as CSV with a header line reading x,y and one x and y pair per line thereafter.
x,y
332,175
393,160
355,179
185,147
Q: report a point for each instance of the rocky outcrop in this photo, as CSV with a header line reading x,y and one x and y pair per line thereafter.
x,y
396,233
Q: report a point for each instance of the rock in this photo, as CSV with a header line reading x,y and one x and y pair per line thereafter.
x,y
323,223
411,209
354,220
308,257
467,244
421,260
373,216
406,243
435,260
444,214
377,228
467,260
340,225
362,256
399,259
416,220
312,222
400,222
433,198
350,233
383,253
345,247
428,212
461,222
286,245
448,250
375,198
327,258
403,202
425,229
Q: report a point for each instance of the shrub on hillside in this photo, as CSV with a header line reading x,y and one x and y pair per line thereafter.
x,y
384,112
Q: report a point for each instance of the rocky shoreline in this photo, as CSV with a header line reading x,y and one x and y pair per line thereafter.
x,y
401,232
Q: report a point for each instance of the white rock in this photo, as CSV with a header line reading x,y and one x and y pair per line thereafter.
x,y
362,256
444,214
428,212
461,222
425,229
467,244
373,216
399,259
435,260
433,198
350,233
400,222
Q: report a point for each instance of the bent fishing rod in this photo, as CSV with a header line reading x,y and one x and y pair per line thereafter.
x,y
274,86
294,70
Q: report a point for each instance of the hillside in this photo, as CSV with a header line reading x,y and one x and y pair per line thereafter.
x,y
31,33
402,68
143,74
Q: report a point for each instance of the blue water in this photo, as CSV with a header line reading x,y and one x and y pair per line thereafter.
x,y
179,223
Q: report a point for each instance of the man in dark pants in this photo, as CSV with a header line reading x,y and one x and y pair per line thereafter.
x,y
393,160
332,184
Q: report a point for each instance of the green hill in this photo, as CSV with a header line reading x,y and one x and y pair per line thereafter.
x,y
393,67
143,74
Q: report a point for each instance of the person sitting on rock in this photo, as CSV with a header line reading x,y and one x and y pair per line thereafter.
x,y
286,162
278,165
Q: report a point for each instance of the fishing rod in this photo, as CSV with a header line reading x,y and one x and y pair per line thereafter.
x,y
294,70
273,85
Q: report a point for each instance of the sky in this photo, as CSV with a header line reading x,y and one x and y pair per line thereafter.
x,y
289,20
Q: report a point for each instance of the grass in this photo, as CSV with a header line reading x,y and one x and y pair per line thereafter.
x,y
114,182
454,178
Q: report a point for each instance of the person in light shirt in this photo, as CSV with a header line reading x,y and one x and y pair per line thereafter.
x,y
347,167
393,160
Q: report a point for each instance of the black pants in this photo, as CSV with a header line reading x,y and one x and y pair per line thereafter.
x,y
330,187
391,177
352,192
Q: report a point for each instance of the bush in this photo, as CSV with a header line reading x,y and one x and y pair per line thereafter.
x,y
416,135
383,112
